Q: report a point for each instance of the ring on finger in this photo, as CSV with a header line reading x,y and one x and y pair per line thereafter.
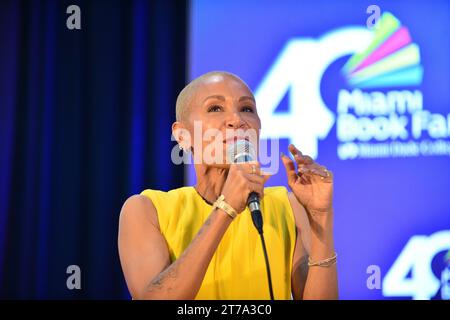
x,y
327,174
253,169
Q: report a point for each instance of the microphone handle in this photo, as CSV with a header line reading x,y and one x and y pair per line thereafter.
x,y
255,210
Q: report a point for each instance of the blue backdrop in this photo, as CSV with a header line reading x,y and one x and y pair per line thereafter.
x,y
85,118
392,177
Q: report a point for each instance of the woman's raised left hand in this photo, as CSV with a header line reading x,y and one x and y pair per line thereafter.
x,y
311,183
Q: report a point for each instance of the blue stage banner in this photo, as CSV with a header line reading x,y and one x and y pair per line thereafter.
x,y
363,88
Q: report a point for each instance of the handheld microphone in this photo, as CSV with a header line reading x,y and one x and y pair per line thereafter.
x,y
243,151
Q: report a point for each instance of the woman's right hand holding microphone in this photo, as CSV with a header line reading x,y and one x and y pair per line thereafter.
x,y
243,179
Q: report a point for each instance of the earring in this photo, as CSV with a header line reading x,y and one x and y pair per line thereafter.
x,y
179,146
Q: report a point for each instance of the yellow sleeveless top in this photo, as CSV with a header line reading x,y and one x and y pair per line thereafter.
x,y
237,269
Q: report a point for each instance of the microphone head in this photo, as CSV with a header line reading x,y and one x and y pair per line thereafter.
x,y
241,151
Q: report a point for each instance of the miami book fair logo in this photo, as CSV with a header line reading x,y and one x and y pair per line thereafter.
x,y
381,113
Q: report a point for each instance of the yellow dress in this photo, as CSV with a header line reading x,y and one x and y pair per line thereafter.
x,y
237,269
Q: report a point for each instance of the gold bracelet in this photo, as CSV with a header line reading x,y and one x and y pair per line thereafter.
x,y
221,204
323,263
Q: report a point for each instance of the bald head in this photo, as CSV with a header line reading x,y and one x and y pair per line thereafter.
x,y
185,98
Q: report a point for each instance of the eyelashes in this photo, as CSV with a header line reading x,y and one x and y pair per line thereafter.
x,y
217,108
248,109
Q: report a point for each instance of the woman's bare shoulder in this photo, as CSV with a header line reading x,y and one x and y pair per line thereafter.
x,y
139,208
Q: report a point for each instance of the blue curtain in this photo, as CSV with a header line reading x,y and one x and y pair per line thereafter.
x,y
85,120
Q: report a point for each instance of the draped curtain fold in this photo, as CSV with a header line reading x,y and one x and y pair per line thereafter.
x,y
85,122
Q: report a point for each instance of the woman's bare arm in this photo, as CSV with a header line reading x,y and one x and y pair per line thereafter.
x,y
314,282
145,257
301,250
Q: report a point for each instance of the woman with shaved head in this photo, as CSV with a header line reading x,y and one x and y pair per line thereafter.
x,y
198,242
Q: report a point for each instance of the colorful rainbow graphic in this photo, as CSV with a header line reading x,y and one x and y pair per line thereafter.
x,y
447,257
391,59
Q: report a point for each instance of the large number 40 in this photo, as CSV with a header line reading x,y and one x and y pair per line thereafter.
x,y
297,72
416,257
